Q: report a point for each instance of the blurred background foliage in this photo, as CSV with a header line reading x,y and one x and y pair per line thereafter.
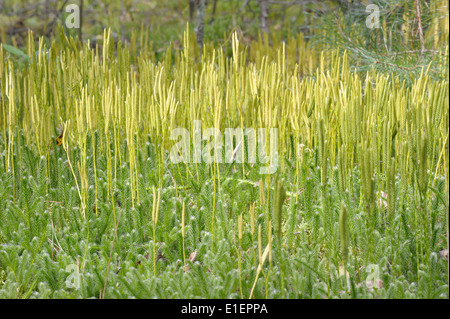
x,y
412,33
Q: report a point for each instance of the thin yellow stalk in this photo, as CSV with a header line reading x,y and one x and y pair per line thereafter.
x,y
182,234
155,212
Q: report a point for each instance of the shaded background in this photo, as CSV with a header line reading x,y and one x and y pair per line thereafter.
x,y
412,33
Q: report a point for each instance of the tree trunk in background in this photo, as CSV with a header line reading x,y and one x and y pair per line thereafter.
x,y
213,12
200,23
264,15
419,25
80,30
191,9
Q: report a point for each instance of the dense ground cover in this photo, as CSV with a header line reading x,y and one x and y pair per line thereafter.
x,y
92,206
